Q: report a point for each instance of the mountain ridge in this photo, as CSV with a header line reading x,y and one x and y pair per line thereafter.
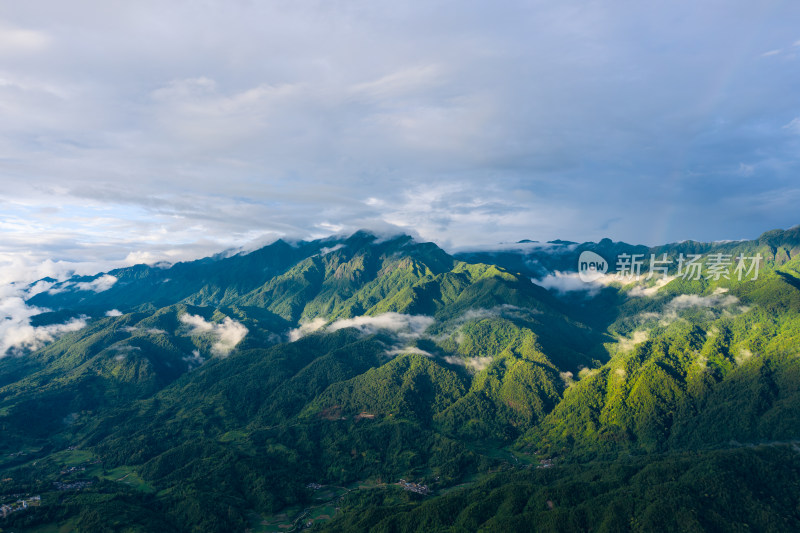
x,y
228,386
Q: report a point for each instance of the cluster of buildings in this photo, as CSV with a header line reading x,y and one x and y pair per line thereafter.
x,y
71,485
414,487
20,505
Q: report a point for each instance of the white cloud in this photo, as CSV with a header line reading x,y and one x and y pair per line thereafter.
x,y
38,288
228,333
20,40
496,311
565,282
122,351
305,329
793,125
746,170
717,299
326,250
17,333
113,312
404,326
465,127
743,355
571,282
479,314
103,283
520,247
36,337
25,267
407,350
476,364
401,83
150,331
625,344
717,302
194,360
645,291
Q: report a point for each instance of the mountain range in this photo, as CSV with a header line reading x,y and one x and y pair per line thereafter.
x,y
366,383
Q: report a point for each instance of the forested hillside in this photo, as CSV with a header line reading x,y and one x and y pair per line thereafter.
x,y
374,384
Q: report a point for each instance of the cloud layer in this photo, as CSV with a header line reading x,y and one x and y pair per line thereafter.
x,y
717,299
16,332
404,327
566,282
227,334
103,283
232,122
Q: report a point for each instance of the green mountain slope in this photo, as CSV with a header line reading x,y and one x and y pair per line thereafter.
x,y
260,391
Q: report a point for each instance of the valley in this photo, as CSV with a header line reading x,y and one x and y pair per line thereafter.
x,y
381,384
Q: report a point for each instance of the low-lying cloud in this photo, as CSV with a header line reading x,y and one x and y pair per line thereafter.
x,y
504,310
149,331
626,344
407,350
642,291
121,351
16,332
228,333
475,364
194,360
715,303
101,284
307,328
565,282
717,299
327,250
405,327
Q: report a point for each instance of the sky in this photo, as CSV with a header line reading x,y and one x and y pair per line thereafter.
x,y
150,130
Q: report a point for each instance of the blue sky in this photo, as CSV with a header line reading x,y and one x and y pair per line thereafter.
x,y
138,131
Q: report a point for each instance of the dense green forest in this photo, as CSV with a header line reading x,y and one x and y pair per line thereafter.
x,y
367,384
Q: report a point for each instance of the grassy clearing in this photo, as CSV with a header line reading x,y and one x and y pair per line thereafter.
x,y
234,435
525,458
323,512
72,457
125,474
